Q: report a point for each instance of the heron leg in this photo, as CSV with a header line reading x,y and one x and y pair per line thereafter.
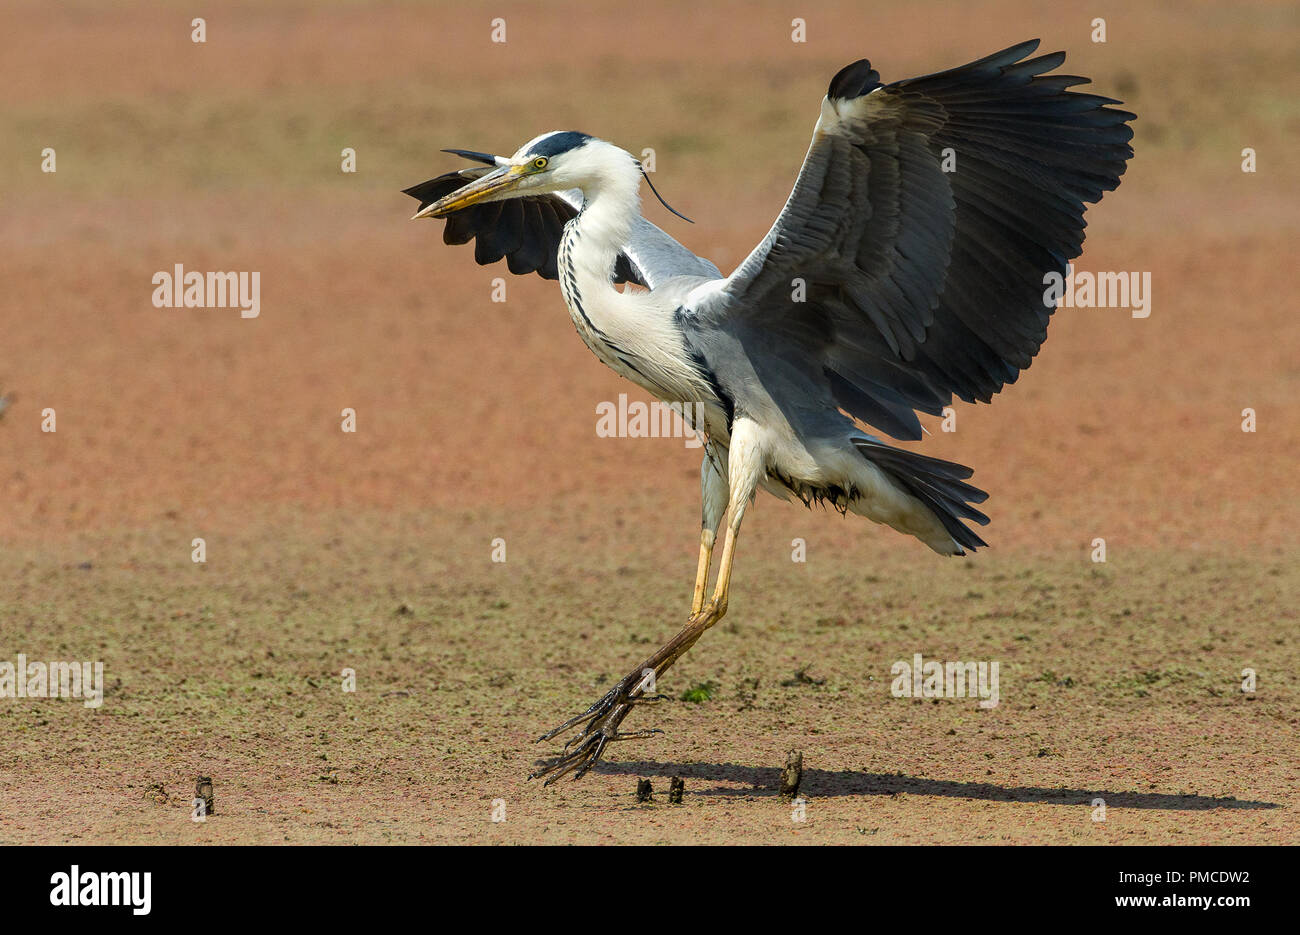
x,y
745,468
713,499
707,537
603,718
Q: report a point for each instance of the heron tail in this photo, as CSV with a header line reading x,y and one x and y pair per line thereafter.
x,y
940,485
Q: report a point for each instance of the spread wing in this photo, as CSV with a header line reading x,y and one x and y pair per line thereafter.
x,y
921,225
526,232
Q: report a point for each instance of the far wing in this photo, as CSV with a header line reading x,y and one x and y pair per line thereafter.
x,y
526,232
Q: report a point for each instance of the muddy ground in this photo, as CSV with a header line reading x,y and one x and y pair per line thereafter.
x,y
373,550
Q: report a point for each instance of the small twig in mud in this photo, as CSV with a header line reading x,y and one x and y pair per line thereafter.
x,y
792,775
203,790
675,790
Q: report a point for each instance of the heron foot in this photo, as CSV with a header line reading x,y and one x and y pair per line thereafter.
x,y
600,725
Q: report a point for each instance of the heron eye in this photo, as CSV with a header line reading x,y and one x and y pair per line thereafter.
x,y
540,162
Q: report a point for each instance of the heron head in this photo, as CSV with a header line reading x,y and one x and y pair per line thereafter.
x,y
553,162
557,161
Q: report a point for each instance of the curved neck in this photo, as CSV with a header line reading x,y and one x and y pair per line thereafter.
x,y
612,195
630,333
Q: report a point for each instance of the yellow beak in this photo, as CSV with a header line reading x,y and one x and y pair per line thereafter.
x,y
481,189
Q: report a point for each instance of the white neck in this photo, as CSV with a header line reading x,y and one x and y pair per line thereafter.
x,y
631,332
611,186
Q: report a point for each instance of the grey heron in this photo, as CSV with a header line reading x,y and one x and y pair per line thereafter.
x,y
905,270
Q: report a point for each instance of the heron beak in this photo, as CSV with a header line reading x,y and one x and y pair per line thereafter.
x,y
482,189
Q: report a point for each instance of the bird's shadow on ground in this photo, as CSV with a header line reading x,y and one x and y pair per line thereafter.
x,y
822,783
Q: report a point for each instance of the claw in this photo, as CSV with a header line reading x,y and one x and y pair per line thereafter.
x,y
585,748
636,734
601,705
571,723
593,759
647,699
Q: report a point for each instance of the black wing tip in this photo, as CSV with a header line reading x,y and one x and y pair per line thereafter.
x,y
415,190
853,80
431,190
1014,53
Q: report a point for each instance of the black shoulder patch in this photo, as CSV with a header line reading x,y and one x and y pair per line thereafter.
x,y
558,143
854,81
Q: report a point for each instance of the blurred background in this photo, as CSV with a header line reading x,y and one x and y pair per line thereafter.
x,y
226,156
